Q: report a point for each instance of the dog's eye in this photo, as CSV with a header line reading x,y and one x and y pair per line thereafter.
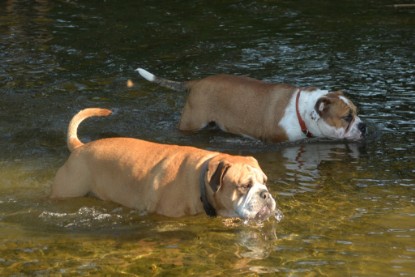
x,y
246,186
348,118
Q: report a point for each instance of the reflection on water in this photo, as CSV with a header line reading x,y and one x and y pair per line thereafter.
x,y
348,207
303,162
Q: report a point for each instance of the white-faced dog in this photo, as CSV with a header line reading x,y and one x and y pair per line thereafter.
x,y
269,112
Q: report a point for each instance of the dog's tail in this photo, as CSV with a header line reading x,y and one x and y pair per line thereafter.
x,y
177,86
72,139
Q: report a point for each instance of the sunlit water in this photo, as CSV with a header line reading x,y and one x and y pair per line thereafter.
x,y
348,207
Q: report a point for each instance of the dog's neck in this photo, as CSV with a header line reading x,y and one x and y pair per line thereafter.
x,y
305,109
300,119
209,209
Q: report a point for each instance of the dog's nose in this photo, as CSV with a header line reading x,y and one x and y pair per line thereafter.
x,y
264,194
362,128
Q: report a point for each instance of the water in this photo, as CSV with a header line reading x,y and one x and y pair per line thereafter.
x,y
348,207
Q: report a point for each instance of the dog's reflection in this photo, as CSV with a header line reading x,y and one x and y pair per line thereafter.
x,y
304,167
255,243
305,157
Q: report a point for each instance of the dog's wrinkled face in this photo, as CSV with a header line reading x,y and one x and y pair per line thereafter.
x,y
241,191
338,117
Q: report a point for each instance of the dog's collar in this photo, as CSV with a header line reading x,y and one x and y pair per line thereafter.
x,y
300,120
209,209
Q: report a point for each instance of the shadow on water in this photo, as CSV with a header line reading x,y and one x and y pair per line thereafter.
x,y
348,206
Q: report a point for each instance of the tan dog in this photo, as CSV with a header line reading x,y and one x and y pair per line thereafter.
x,y
270,112
169,180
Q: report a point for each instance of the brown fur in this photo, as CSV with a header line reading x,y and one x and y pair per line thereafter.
x,y
257,110
336,109
150,177
269,112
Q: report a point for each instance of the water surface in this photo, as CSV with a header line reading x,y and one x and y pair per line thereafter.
x,y
349,207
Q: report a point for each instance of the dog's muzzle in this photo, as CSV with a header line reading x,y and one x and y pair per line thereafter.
x,y
266,211
362,128
258,205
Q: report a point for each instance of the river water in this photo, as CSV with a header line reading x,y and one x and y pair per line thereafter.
x,y
349,208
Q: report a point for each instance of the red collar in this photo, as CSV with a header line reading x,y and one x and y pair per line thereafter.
x,y
300,120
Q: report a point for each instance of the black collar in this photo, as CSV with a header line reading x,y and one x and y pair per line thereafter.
x,y
209,209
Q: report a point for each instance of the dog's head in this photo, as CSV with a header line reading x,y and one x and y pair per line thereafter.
x,y
238,188
337,117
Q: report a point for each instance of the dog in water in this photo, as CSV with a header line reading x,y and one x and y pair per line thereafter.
x,y
269,112
168,180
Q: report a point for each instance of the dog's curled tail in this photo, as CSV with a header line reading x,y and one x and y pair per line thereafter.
x,y
72,139
177,86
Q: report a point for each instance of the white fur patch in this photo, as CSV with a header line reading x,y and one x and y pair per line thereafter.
x,y
321,107
289,121
146,75
249,205
345,100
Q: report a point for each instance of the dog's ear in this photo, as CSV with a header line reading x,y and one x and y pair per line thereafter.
x,y
322,105
216,178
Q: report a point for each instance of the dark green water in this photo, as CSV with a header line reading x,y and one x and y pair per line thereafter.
x,y
349,207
